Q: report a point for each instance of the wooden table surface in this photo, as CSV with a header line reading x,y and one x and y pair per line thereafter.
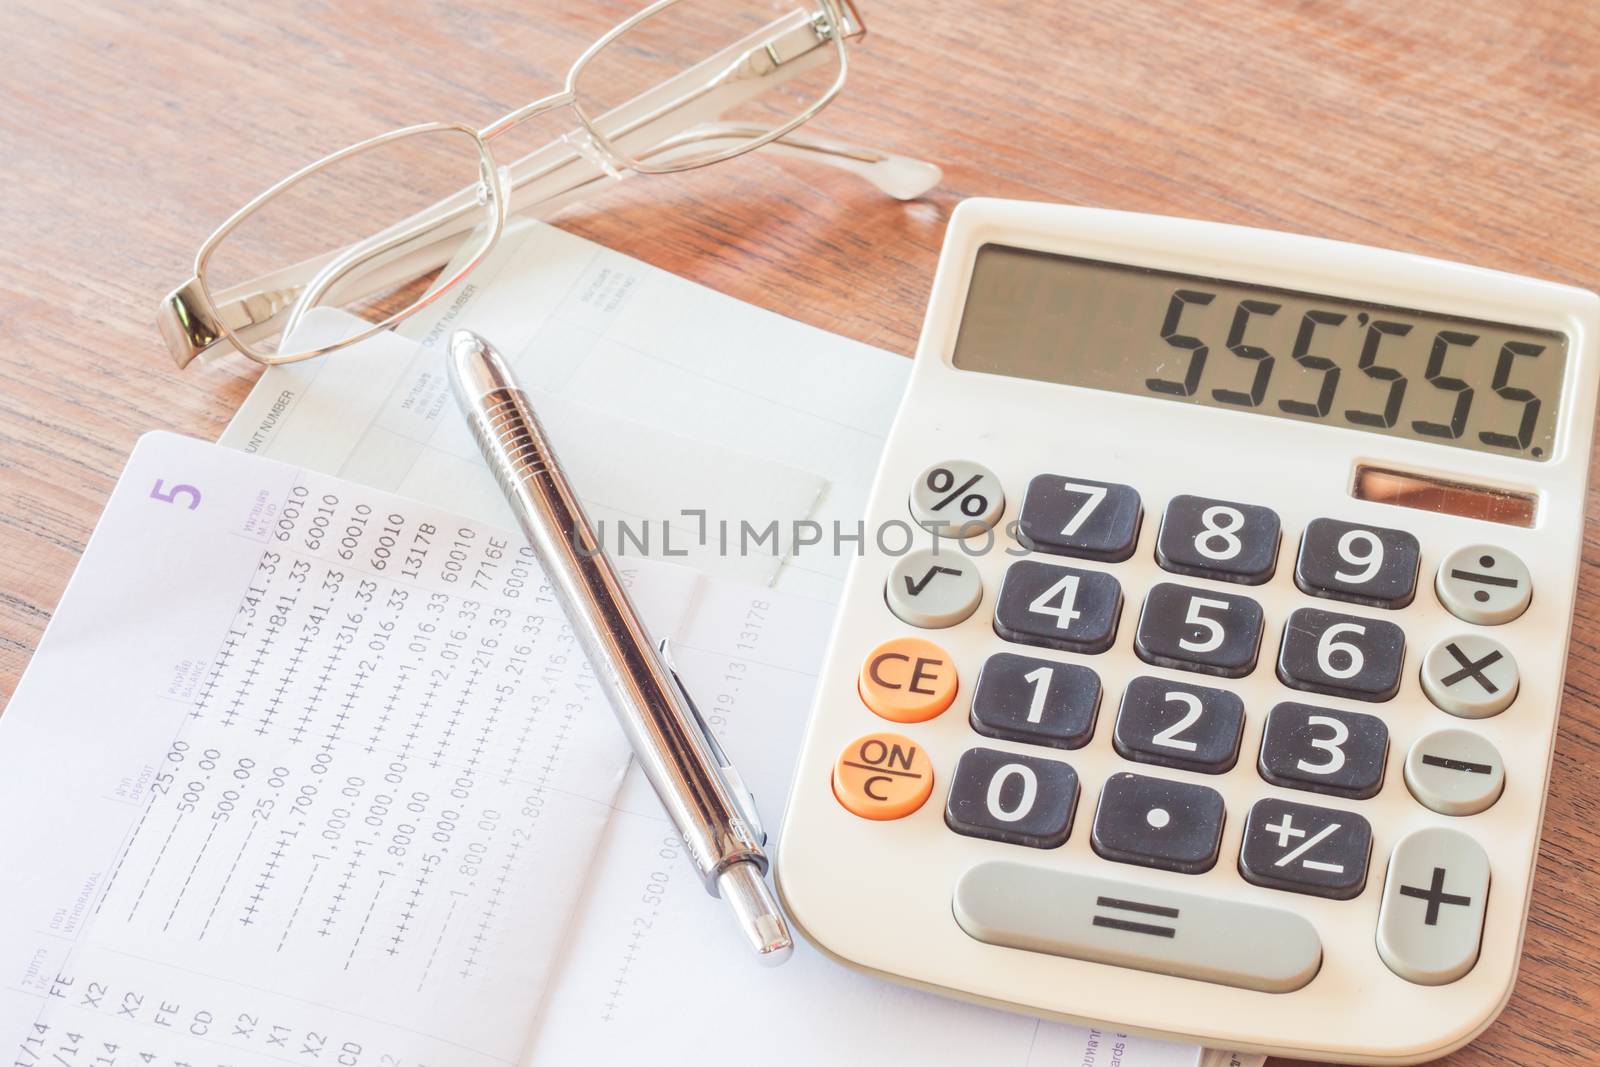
x,y
1465,129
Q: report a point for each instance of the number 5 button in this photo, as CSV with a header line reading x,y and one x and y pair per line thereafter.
x,y
1341,655
1199,630
1362,564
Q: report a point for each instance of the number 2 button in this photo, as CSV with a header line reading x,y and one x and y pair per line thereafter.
x,y
1175,724
1218,539
1324,750
1341,655
1199,630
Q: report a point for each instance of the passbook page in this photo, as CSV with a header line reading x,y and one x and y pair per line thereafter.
x,y
301,773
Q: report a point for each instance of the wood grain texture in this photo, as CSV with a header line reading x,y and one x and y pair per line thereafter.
x,y
1466,129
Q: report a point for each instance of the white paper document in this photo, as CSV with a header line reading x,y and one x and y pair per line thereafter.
x,y
307,773
662,397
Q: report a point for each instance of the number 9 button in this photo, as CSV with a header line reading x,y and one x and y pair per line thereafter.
x,y
1361,564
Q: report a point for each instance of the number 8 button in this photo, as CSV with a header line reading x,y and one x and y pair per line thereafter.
x,y
1218,539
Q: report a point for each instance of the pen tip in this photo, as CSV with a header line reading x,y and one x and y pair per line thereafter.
x,y
475,368
746,892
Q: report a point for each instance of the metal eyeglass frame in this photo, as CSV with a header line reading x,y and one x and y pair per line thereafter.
x,y
654,133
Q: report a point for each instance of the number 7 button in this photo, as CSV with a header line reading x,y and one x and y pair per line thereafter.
x,y
1079,517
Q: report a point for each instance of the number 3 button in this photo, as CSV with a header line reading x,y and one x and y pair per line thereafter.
x,y
1324,750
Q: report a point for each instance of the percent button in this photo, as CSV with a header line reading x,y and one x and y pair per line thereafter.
x,y
957,498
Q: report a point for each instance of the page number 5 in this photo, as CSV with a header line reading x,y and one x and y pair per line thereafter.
x,y
170,496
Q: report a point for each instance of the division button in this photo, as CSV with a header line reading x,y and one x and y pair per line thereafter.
x,y
1306,849
1174,826
882,776
1431,920
1079,517
1126,925
1341,655
957,498
1484,584
933,589
1455,772
1471,676
1021,800
1036,701
908,680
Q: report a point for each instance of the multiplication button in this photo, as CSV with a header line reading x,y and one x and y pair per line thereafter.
x,y
1079,517
933,589
1471,676
957,498
1484,584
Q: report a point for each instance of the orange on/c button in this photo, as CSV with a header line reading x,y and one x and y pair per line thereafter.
x,y
882,776
908,679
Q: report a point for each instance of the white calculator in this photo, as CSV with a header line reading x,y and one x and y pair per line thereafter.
x,y
1201,670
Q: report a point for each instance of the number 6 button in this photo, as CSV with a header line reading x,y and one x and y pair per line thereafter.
x,y
1341,655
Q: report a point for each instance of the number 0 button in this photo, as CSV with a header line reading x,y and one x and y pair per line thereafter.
x,y
1022,800
1341,655
1058,607
1325,750
1218,539
957,498
1199,630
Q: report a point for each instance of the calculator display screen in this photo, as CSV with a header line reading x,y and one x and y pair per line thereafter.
x,y
1486,386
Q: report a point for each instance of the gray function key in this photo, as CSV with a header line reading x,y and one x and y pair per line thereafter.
x,y
1341,655
933,589
1175,724
1218,539
1078,517
1174,826
1003,796
1199,630
1455,772
1431,920
1128,925
1306,849
1036,701
957,498
1368,565
1325,750
1058,607
1471,676
1484,585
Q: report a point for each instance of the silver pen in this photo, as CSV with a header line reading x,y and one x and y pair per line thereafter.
x,y
710,808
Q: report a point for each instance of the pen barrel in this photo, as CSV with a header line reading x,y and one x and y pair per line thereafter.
x,y
667,743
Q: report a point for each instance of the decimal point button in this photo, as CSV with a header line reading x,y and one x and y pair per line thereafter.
x,y
882,776
908,680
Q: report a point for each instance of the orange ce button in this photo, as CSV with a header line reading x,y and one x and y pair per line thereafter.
x,y
908,680
882,776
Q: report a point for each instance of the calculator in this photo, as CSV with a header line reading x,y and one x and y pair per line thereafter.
x,y
1200,668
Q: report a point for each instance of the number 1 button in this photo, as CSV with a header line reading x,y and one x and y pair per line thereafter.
x,y
1077,517
1218,539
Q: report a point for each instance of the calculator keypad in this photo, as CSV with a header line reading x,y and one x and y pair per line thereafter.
x,y
1199,630
1058,607
1302,848
1218,539
1324,750
1079,517
1176,724
1154,822
1341,655
1021,800
1036,701
1361,564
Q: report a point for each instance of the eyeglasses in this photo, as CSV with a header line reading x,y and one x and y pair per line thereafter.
x,y
399,219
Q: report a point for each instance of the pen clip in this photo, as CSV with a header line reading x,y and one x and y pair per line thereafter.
x,y
742,797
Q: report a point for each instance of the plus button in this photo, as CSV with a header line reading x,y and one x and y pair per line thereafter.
x,y
1435,896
